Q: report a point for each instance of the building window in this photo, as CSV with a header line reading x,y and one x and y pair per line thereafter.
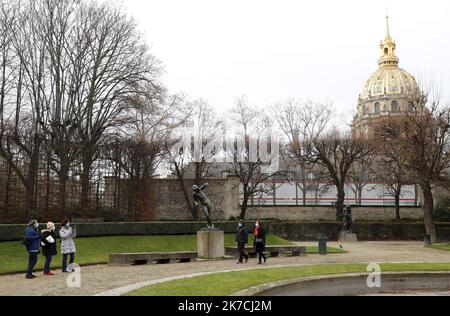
x,y
394,106
377,108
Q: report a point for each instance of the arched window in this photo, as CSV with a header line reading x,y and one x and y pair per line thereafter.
x,y
377,108
386,51
394,106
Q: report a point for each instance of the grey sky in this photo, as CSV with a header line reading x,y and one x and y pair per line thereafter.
x,y
272,50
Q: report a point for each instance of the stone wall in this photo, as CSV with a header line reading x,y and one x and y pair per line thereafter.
x,y
323,213
170,205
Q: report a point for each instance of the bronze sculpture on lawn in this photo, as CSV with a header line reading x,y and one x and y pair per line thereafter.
x,y
202,200
348,220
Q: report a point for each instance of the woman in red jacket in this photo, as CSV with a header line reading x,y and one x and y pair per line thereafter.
x,y
260,241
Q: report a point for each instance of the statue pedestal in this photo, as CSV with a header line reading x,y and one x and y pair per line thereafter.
x,y
348,237
211,244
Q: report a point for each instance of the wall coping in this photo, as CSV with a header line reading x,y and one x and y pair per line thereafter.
x,y
332,207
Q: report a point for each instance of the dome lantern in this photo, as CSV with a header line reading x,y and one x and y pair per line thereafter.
x,y
388,50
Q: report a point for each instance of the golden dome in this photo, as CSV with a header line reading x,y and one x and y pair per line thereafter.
x,y
389,81
388,92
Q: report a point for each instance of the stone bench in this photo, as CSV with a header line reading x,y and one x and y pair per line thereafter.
x,y
274,251
127,259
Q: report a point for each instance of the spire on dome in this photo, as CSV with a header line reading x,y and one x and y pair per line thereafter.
x,y
388,49
388,32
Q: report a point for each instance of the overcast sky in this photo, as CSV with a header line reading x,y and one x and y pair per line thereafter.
x,y
273,50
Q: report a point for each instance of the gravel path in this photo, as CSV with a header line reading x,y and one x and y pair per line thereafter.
x,y
98,279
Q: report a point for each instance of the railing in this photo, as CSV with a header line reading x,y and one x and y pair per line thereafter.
x,y
322,194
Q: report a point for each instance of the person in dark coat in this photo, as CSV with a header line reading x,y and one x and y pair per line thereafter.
x,y
48,243
242,240
32,243
260,241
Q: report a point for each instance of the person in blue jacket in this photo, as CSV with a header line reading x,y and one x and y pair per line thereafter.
x,y
32,244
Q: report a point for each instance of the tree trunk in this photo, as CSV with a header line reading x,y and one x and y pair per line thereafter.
x,y
428,207
192,209
304,193
340,203
132,198
47,186
62,196
31,184
198,173
8,186
85,180
244,207
30,201
397,205
62,192
360,193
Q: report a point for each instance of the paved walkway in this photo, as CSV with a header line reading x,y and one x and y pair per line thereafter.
x,y
102,278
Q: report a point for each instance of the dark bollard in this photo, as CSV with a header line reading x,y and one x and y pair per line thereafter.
x,y
323,245
427,240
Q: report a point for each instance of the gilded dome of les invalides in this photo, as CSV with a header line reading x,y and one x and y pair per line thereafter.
x,y
388,92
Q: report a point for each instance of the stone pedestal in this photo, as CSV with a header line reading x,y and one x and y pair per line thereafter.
x,y
211,244
348,237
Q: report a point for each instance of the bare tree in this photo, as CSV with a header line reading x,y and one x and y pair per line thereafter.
x,y
359,177
422,138
179,158
389,163
300,123
115,65
337,153
247,152
206,128
60,31
141,143
183,149
22,135
68,69
8,78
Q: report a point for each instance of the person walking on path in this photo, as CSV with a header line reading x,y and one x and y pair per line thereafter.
x,y
48,243
67,234
32,243
242,240
259,242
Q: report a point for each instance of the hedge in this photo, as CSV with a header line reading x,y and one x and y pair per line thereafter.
x,y
366,231
15,232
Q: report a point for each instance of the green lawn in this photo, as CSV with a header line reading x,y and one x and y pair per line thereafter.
x,y
223,284
441,246
14,258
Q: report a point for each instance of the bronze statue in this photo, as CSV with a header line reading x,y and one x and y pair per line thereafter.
x,y
202,200
348,220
